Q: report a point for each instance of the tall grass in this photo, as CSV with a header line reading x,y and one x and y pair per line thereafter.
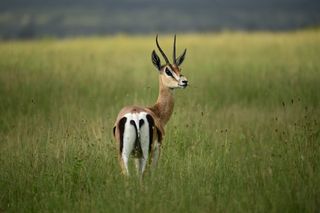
x,y
244,136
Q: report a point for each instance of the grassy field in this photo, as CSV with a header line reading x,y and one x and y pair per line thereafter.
x,y
244,137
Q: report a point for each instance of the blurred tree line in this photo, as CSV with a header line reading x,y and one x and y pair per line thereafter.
x,y
60,18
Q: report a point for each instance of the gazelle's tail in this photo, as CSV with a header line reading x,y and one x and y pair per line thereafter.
x,y
137,150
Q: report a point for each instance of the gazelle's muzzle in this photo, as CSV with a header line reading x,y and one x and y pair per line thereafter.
x,y
183,81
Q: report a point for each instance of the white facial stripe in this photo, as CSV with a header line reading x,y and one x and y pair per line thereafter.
x,y
175,76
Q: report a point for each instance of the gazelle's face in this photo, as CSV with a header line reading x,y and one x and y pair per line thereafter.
x,y
171,77
170,73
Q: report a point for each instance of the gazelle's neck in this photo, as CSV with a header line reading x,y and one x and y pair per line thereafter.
x,y
163,108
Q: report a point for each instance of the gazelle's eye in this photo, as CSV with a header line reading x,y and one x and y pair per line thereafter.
x,y
168,72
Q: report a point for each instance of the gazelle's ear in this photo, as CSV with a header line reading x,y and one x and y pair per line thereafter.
x,y
155,60
180,59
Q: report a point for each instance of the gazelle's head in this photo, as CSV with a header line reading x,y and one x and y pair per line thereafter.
x,y
170,73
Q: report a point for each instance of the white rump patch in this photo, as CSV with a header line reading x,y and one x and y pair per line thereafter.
x,y
132,135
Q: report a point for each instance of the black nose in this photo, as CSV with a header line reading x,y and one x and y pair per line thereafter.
x,y
185,82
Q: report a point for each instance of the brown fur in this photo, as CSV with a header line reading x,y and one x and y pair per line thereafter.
x,y
162,110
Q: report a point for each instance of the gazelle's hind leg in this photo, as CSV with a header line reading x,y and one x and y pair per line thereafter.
x,y
144,143
127,145
140,166
155,154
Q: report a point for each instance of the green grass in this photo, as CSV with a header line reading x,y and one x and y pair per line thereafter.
x,y
244,137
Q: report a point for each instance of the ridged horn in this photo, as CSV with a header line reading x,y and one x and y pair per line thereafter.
x,y
174,50
161,51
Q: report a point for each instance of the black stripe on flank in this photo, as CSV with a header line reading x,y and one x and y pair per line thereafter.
x,y
122,122
151,124
159,136
114,131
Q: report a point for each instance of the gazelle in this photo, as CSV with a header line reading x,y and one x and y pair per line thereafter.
x,y
139,130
